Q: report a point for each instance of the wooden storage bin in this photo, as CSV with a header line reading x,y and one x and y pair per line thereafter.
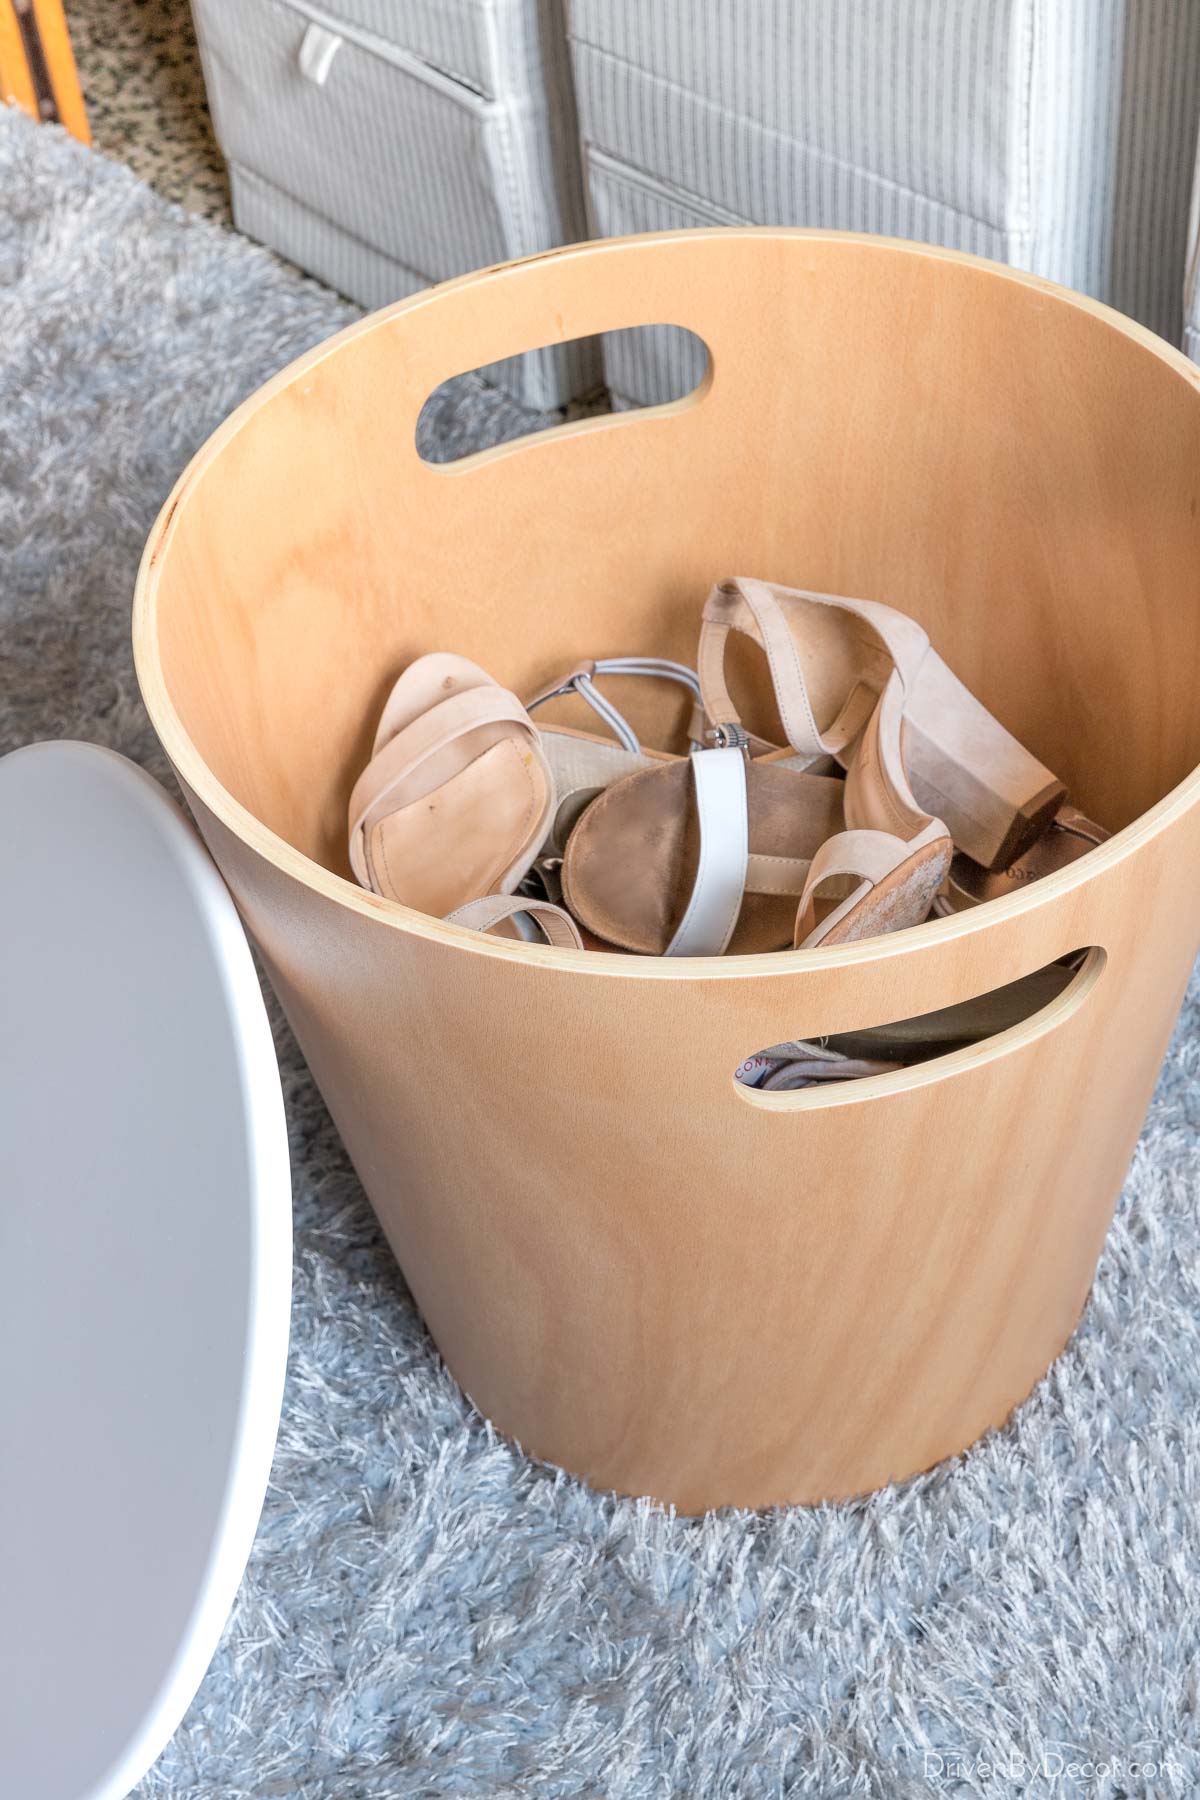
x,y
669,1284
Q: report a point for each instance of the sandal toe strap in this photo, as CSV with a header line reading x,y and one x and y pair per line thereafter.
x,y
849,865
719,777
402,756
555,924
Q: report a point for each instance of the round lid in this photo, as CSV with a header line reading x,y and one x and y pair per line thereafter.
x,y
145,1243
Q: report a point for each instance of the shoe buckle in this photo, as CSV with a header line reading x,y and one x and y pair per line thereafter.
x,y
730,736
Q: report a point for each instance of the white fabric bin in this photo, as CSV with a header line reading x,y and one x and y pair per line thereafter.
x,y
386,144
1051,134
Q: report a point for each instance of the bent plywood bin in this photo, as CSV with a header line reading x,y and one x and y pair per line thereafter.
x,y
665,1282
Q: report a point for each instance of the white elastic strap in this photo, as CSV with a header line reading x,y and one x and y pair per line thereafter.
x,y
712,912
616,721
651,665
583,684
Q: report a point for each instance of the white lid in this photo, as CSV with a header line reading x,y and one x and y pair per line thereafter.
x,y
145,1253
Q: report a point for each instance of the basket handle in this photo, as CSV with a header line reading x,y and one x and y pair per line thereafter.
x,y
1006,1028
681,278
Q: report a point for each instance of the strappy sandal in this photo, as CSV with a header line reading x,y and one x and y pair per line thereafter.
x,y
700,855
866,883
760,861
885,870
763,848
831,660
582,681
583,763
1069,835
457,798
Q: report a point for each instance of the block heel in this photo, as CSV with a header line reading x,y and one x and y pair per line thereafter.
x,y
994,795
831,659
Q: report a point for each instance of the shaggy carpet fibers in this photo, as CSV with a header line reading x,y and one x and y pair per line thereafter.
x,y
427,1612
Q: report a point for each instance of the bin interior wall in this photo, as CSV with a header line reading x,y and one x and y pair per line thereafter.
x,y
976,449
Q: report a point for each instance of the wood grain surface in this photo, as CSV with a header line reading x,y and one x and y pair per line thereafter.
x,y
667,1283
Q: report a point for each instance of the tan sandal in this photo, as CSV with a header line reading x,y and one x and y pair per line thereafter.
x,y
884,872
1069,835
866,883
699,856
457,798
763,847
831,659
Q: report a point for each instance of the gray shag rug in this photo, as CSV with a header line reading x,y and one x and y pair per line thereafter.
x,y
428,1612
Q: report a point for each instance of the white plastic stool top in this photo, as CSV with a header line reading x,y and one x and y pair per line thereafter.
x,y
145,1253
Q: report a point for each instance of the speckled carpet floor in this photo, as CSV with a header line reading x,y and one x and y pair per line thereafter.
x,y
426,1611
143,87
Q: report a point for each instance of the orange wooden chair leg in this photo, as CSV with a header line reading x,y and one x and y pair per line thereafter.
x,y
37,67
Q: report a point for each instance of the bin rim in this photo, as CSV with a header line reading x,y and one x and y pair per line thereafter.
x,y
197,777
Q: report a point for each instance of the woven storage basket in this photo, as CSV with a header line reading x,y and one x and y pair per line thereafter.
x,y
665,1282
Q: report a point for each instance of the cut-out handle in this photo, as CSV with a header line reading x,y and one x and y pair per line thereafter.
x,y
578,291
860,1064
435,428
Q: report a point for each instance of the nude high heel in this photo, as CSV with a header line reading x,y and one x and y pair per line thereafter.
x,y
831,659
